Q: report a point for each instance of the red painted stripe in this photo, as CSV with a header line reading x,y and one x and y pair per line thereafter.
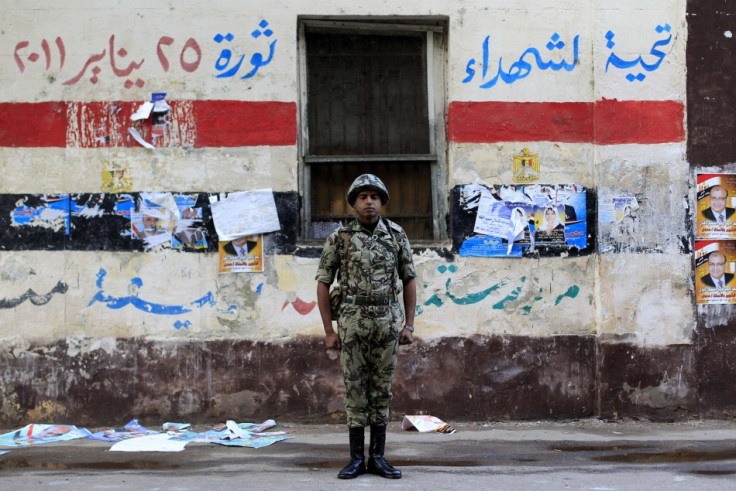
x,y
241,123
105,124
24,124
237,123
639,122
488,122
605,122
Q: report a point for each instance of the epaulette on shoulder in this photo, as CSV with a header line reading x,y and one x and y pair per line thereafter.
x,y
395,226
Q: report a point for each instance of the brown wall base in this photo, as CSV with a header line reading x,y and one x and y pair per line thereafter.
x,y
456,379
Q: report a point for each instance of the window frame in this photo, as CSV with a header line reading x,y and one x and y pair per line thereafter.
x,y
436,30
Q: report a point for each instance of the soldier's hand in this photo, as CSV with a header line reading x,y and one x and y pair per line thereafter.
x,y
406,337
332,341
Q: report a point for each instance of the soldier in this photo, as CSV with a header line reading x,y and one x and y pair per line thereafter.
x,y
372,259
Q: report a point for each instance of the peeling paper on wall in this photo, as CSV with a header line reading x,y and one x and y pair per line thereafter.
x,y
244,213
137,137
46,211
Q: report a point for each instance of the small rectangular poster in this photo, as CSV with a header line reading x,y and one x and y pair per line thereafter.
x,y
242,254
715,267
716,203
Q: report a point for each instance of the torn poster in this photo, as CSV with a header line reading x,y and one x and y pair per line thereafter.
x,y
137,137
43,210
131,430
155,218
143,111
37,434
244,213
190,230
716,206
425,423
512,221
617,209
242,255
715,267
175,426
160,112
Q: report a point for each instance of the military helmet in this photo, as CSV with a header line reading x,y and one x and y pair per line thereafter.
x,y
367,181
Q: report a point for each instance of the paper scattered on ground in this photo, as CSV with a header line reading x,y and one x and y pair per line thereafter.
x,y
251,435
425,423
134,437
131,430
161,442
175,426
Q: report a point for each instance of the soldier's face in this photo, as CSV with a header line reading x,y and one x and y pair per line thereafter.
x,y
368,206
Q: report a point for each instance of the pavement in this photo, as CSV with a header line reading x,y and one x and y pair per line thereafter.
x,y
531,455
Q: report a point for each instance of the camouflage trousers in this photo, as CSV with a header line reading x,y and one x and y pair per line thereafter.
x,y
369,336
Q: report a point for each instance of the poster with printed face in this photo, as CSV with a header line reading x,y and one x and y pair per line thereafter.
x,y
512,221
715,217
242,254
715,267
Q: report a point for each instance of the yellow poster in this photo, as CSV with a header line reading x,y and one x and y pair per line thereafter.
x,y
242,254
715,267
715,217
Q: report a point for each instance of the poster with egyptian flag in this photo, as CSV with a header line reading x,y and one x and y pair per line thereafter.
x,y
715,267
716,206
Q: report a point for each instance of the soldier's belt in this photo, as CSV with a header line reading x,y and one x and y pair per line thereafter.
x,y
364,300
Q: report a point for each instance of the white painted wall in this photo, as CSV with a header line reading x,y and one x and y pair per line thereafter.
x,y
644,296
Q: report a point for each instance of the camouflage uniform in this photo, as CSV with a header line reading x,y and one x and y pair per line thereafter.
x,y
369,334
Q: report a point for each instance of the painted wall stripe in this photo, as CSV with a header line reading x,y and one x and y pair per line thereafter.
x,y
243,123
41,124
605,122
105,124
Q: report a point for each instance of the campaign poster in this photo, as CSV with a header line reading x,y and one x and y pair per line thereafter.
x,y
715,267
514,221
242,254
716,203
190,232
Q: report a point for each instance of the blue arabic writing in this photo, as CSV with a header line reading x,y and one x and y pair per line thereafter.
x,y
523,66
222,64
657,53
152,308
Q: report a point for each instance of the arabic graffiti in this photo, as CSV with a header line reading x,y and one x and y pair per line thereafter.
x,y
439,299
655,52
35,298
135,301
523,66
256,59
33,57
190,58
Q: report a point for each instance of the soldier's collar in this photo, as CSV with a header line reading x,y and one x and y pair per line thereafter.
x,y
381,226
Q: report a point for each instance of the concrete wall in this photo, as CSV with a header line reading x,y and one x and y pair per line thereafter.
x,y
611,331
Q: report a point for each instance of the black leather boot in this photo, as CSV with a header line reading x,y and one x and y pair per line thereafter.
x,y
376,463
356,466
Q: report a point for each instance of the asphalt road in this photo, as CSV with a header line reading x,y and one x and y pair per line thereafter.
x,y
586,455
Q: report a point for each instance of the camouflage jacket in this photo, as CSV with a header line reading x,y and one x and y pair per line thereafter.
x,y
371,259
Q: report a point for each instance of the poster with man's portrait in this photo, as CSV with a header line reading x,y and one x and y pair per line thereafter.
x,y
715,267
242,254
716,204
